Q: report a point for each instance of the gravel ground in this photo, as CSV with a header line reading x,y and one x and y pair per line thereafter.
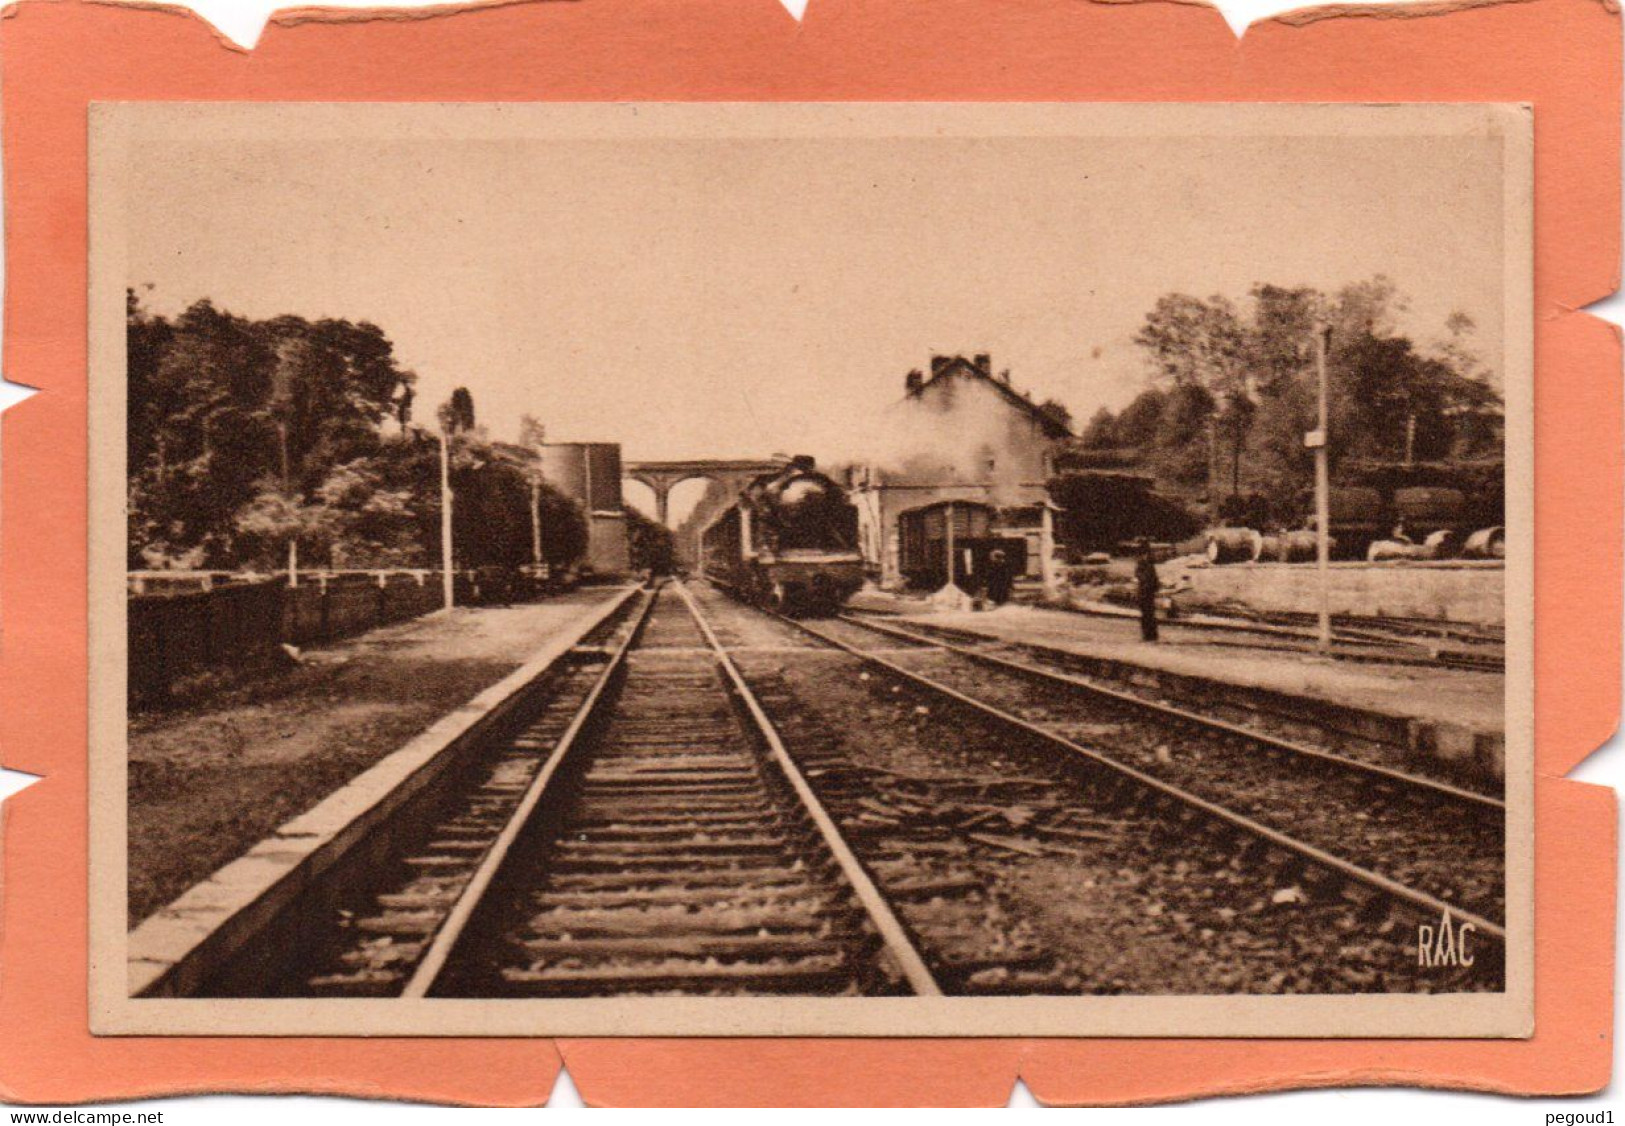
x,y
1118,901
1294,728
1474,699
1434,846
209,781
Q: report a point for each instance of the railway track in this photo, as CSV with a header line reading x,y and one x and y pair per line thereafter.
x,y
682,810
1371,831
1371,766
647,833
1381,641
1392,641
1047,664
1383,819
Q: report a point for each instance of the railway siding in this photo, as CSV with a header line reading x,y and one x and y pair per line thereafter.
x,y
1451,731
179,948
1077,855
1383,819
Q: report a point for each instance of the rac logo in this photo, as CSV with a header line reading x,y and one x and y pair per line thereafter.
x,y
1446,944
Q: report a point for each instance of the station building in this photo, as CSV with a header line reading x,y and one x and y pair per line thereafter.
x,y
961,448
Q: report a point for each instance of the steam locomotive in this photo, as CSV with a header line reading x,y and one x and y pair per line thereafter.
x,y
789,542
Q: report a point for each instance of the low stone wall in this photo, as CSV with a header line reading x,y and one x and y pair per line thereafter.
x,y
197,628
1468,592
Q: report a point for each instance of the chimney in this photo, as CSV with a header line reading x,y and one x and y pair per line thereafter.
x,y
913,381
984,364
1004,377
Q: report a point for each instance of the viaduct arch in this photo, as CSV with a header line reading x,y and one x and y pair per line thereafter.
x,y
663,476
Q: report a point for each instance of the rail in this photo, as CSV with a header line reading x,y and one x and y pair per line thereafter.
x,y
894,936
1272,743
891,929
1420,901
456,922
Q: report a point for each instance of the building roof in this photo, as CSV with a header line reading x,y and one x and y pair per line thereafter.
x,y
980,367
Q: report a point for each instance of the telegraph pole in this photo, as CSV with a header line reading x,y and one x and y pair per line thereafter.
x,y
536,520
287,491
1316,440
447,581
282,408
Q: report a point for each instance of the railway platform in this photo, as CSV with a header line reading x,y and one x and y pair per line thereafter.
x,y
210,780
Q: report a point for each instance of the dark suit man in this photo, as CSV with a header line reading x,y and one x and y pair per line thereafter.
x,y
999,578
1147,584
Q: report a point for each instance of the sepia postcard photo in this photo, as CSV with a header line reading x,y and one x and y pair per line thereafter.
x,y
811,569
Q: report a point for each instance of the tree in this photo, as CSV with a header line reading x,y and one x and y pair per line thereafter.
x,y
652,544
1101,433
457,413
248,436
1243,386
1281,333
378,507
1196,343
223,410
1137,423
532,433
1181,450
211,440
1203,349
1475,406
1368,308
147,339
273,519
1280,464
1056,411
403,404
332,385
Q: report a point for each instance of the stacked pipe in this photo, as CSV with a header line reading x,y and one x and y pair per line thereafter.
x,y
1486,543
1289,547
1437,546
1234,545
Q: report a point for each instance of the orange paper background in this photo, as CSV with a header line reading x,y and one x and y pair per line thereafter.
x,y
56,56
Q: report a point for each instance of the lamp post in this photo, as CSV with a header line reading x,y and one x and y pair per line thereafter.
x,y
1316,440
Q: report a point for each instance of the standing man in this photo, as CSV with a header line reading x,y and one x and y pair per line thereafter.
x,y
999,578
1145,578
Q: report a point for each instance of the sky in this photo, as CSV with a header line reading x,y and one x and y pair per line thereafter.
x,y
732,297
